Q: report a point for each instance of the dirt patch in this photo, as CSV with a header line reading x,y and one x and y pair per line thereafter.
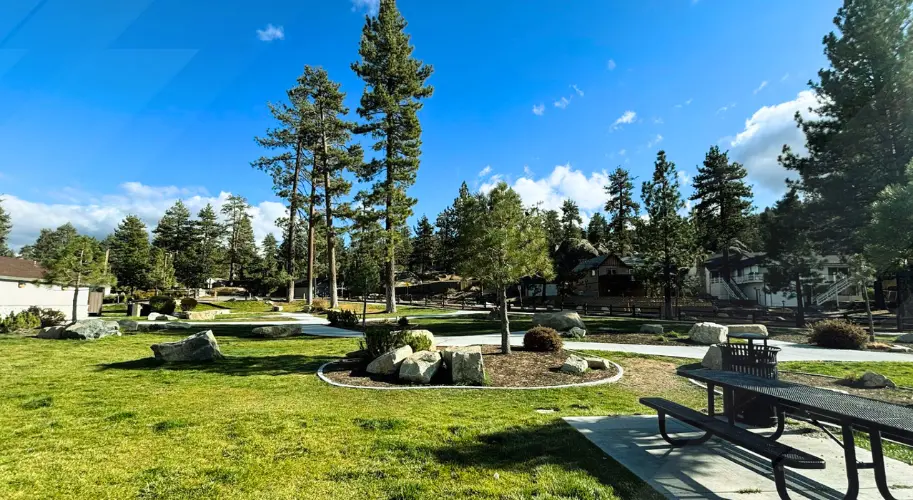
x,y
897,396
637,338
651,376
519,369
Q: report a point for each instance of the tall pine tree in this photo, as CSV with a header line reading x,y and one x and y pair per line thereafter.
x,y
6,226
424,247
621,209
394,86
241,248
49,244
597,231
175,235
130,254
207,249
570,220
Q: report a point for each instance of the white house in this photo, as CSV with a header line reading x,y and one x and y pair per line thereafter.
x,y
21,287
747,281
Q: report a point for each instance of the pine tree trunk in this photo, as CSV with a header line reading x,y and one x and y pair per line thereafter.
x,y
667,292
76,296
505,322
293,211
311,236
391,244
331,235
868,312
800,303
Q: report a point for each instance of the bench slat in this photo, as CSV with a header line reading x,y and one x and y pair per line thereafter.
x,y
778,452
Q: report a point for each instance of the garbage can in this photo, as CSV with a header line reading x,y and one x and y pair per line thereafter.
x,y
133,309
757,360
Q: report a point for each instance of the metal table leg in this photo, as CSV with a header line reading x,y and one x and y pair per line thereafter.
x,y
878,460
711,400
852,467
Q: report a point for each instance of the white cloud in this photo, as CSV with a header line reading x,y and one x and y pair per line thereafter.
x,y
490,184
654,141
686,103
762,140
785,77
271,33
99,215
611,64
683,178
527,171
539,109
564,182
485,171
725,108
622,152
760,87
658,121
577,90
562,103
626,118
370,6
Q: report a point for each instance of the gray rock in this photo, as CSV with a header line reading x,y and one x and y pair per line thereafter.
x,y
708,333
277,331
388,363
128,325
561,321
872,380
53,332
906,338
901,349
199,315
153,316
467,368
575,333
575,364
713,360
652,329
689,318
755,329
177,325
420,367
597,363
92,329
722,315
197,347
447,353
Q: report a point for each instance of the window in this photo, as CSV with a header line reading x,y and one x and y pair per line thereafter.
x,y
593,272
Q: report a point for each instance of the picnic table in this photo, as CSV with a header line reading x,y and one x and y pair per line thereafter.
x,y
851,413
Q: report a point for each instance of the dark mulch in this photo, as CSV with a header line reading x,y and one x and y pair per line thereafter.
x,y
897,396
519,369
637,338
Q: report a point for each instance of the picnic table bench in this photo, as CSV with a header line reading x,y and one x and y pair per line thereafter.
x,y
852,413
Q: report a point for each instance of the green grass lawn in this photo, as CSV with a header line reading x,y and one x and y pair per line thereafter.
x,y
900,372
102,420
377,310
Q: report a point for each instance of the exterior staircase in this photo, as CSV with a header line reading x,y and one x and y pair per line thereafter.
x,y
832,292
733,291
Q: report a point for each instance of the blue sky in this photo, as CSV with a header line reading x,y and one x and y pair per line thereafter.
x,y
109,108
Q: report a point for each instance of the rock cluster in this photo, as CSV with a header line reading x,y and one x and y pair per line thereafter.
x,y
197,347
708,333
89,329
567,322
464,363
579,365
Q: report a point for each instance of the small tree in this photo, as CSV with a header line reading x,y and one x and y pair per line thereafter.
x,y
80,263
424,246
508,243
161,272
861,275
130,253
5,226
621,210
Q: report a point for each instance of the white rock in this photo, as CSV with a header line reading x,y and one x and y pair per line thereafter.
x,y
128,325
906,338
447,353
467,368
199,315
575,364
756,329
595,363
872,380
575,333
420,367
713,359
153,316
652,329
197,347
388,363
92,329
708,333
561,321
898,348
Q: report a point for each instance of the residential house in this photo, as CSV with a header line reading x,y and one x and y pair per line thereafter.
x,y
21,287
607,276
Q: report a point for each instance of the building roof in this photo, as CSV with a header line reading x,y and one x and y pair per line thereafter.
x,y
595,262
22,269
736,260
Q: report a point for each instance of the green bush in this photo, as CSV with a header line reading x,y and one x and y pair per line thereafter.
x,y
542,339
838,334
319,305
382,338
416,342
48,317
141,295
403,322
188,304
24,320
162,304
343,319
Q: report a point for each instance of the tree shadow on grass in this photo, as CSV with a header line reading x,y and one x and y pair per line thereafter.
x,y
522,449
289,364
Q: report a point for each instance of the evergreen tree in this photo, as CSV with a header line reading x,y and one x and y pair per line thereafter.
x,y
790,257
270,274
667,237
6,226
394,87
570,220
508,243
161,271
294,140
80,262
241,249
424,247
130,257
861,138
551,223
450,241
889,242
597,232
622,210
49,244
207,249
723,204
175,235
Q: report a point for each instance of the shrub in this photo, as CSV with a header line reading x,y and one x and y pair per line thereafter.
x,y
48,317
140,295
838,334
403,322
542,339
382,338
162,304
319,305
416,342
24,320
343,319
188,304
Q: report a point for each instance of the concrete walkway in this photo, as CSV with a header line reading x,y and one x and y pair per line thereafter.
x,y
718,470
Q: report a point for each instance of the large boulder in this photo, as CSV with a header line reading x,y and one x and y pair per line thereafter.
x,y
277,331
755,329
53,332
561,321
177,325
197,347
467,367
447,353
575,364
906,338
708,333
153,316
872,380
388,363
128,325
596,363
713,360
199,315
575,333
92,329
658,329
420,367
